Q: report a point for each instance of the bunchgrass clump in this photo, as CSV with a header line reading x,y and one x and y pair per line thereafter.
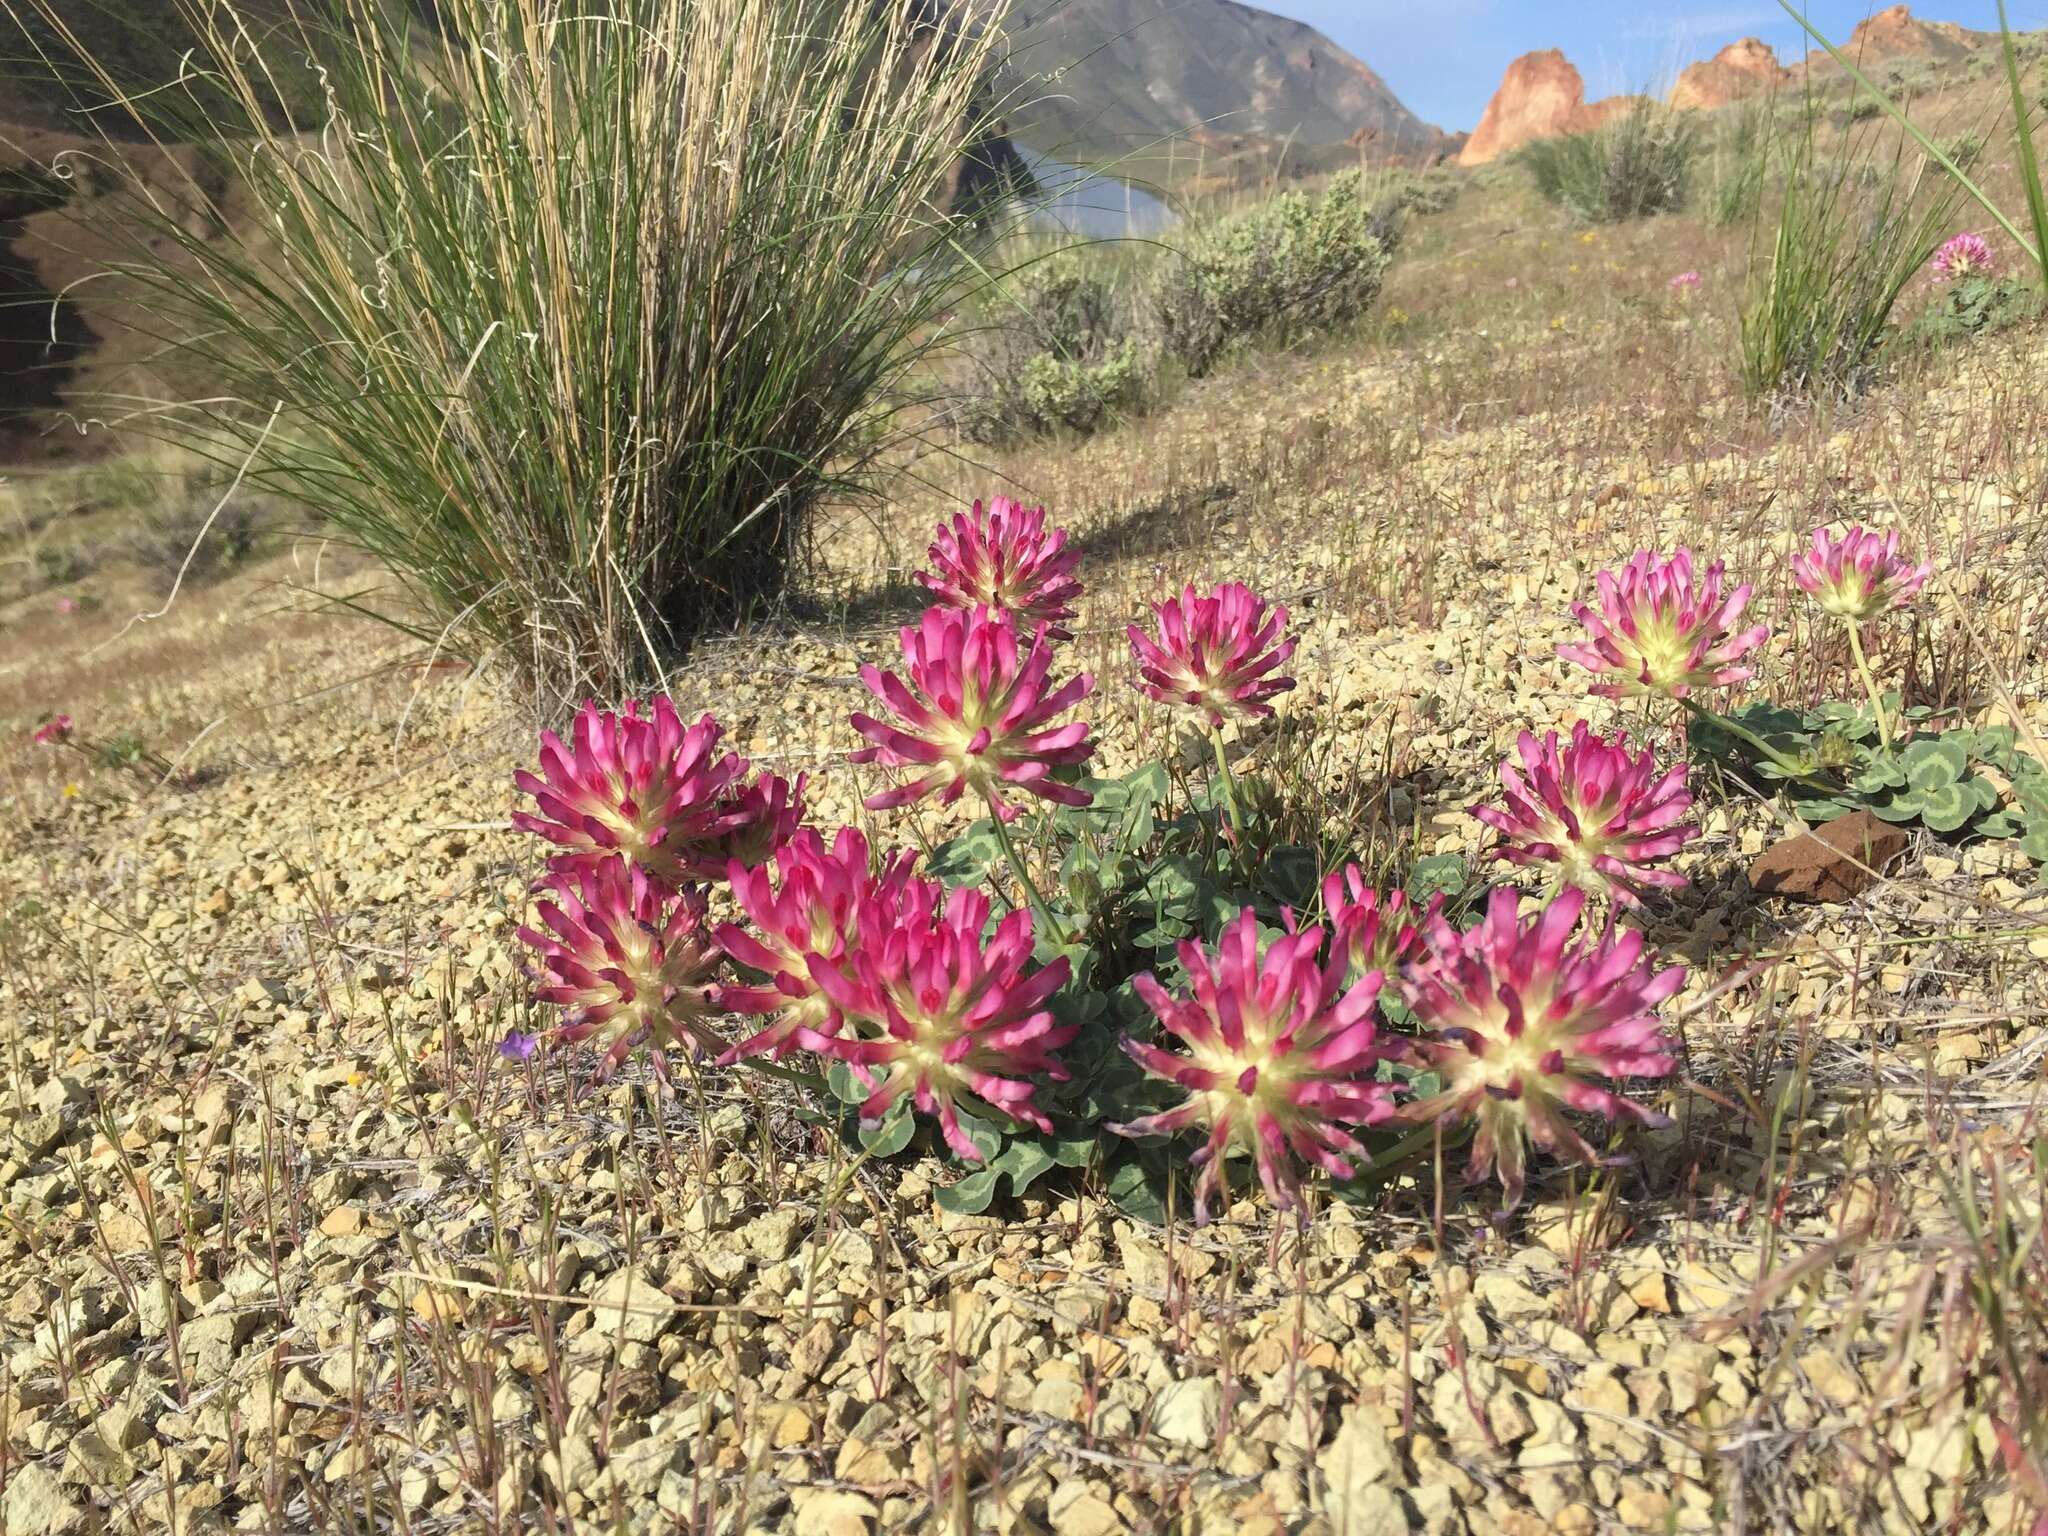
x,y
1630,167
570,316
1826,274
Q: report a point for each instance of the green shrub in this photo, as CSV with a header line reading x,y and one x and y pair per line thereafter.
x,y
1296,264
1429,192
1819,300
571,315
1630,167
1058,354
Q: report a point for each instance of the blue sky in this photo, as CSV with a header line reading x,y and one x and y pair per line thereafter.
x,y
1444,57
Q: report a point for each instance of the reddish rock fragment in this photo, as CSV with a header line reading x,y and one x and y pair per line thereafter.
x,y
1833,862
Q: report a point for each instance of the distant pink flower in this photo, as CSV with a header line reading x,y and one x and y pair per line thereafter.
x,y
1514,282
1961,256
1524,1025
977,713
1005,559
1602,816
628,958
1215,654
1686,284
1658,632
810,912
1281,1062
930,1010
645,786
54,731
1373,932
1858,575
67,604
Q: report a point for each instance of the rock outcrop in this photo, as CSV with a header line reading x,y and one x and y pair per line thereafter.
x,y
1896,33
1744,69
1541,96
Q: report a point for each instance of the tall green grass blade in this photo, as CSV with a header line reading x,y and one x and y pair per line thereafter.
x,y
2037,250
2023,135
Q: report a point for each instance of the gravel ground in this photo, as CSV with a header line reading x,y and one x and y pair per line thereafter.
x,y
288,1246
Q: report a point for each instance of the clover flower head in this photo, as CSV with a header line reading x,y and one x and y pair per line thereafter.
x,y
643,785
1525,1024
1371,930
1659,631
928,1009
761,817
808,912
1215,654
1961,256
1007,560
1686,284
629,958
1602,815
1858,575
54,731
975,710
1281,1059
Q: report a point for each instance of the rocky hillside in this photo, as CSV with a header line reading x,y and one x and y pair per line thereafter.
x,y
1543,94
1099,80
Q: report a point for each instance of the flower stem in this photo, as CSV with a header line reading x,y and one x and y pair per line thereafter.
x,y
1884,736
1228,782
1031,891
1742,732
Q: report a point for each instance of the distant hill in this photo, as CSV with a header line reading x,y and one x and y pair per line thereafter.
x,y
1109,81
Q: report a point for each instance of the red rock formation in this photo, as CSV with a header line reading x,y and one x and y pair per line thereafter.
x,y
1743,69
1896,33
1540,97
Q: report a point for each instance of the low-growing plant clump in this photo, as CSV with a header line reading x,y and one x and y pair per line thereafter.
x,y
1059,353
1300,263
1638,164
1095,965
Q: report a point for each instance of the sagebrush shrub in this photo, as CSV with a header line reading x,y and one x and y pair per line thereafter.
x,y
1296,264
1058,353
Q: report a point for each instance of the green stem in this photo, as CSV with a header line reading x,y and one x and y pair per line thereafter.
x,y
1228,782
1785,764
1031,891
1884,736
